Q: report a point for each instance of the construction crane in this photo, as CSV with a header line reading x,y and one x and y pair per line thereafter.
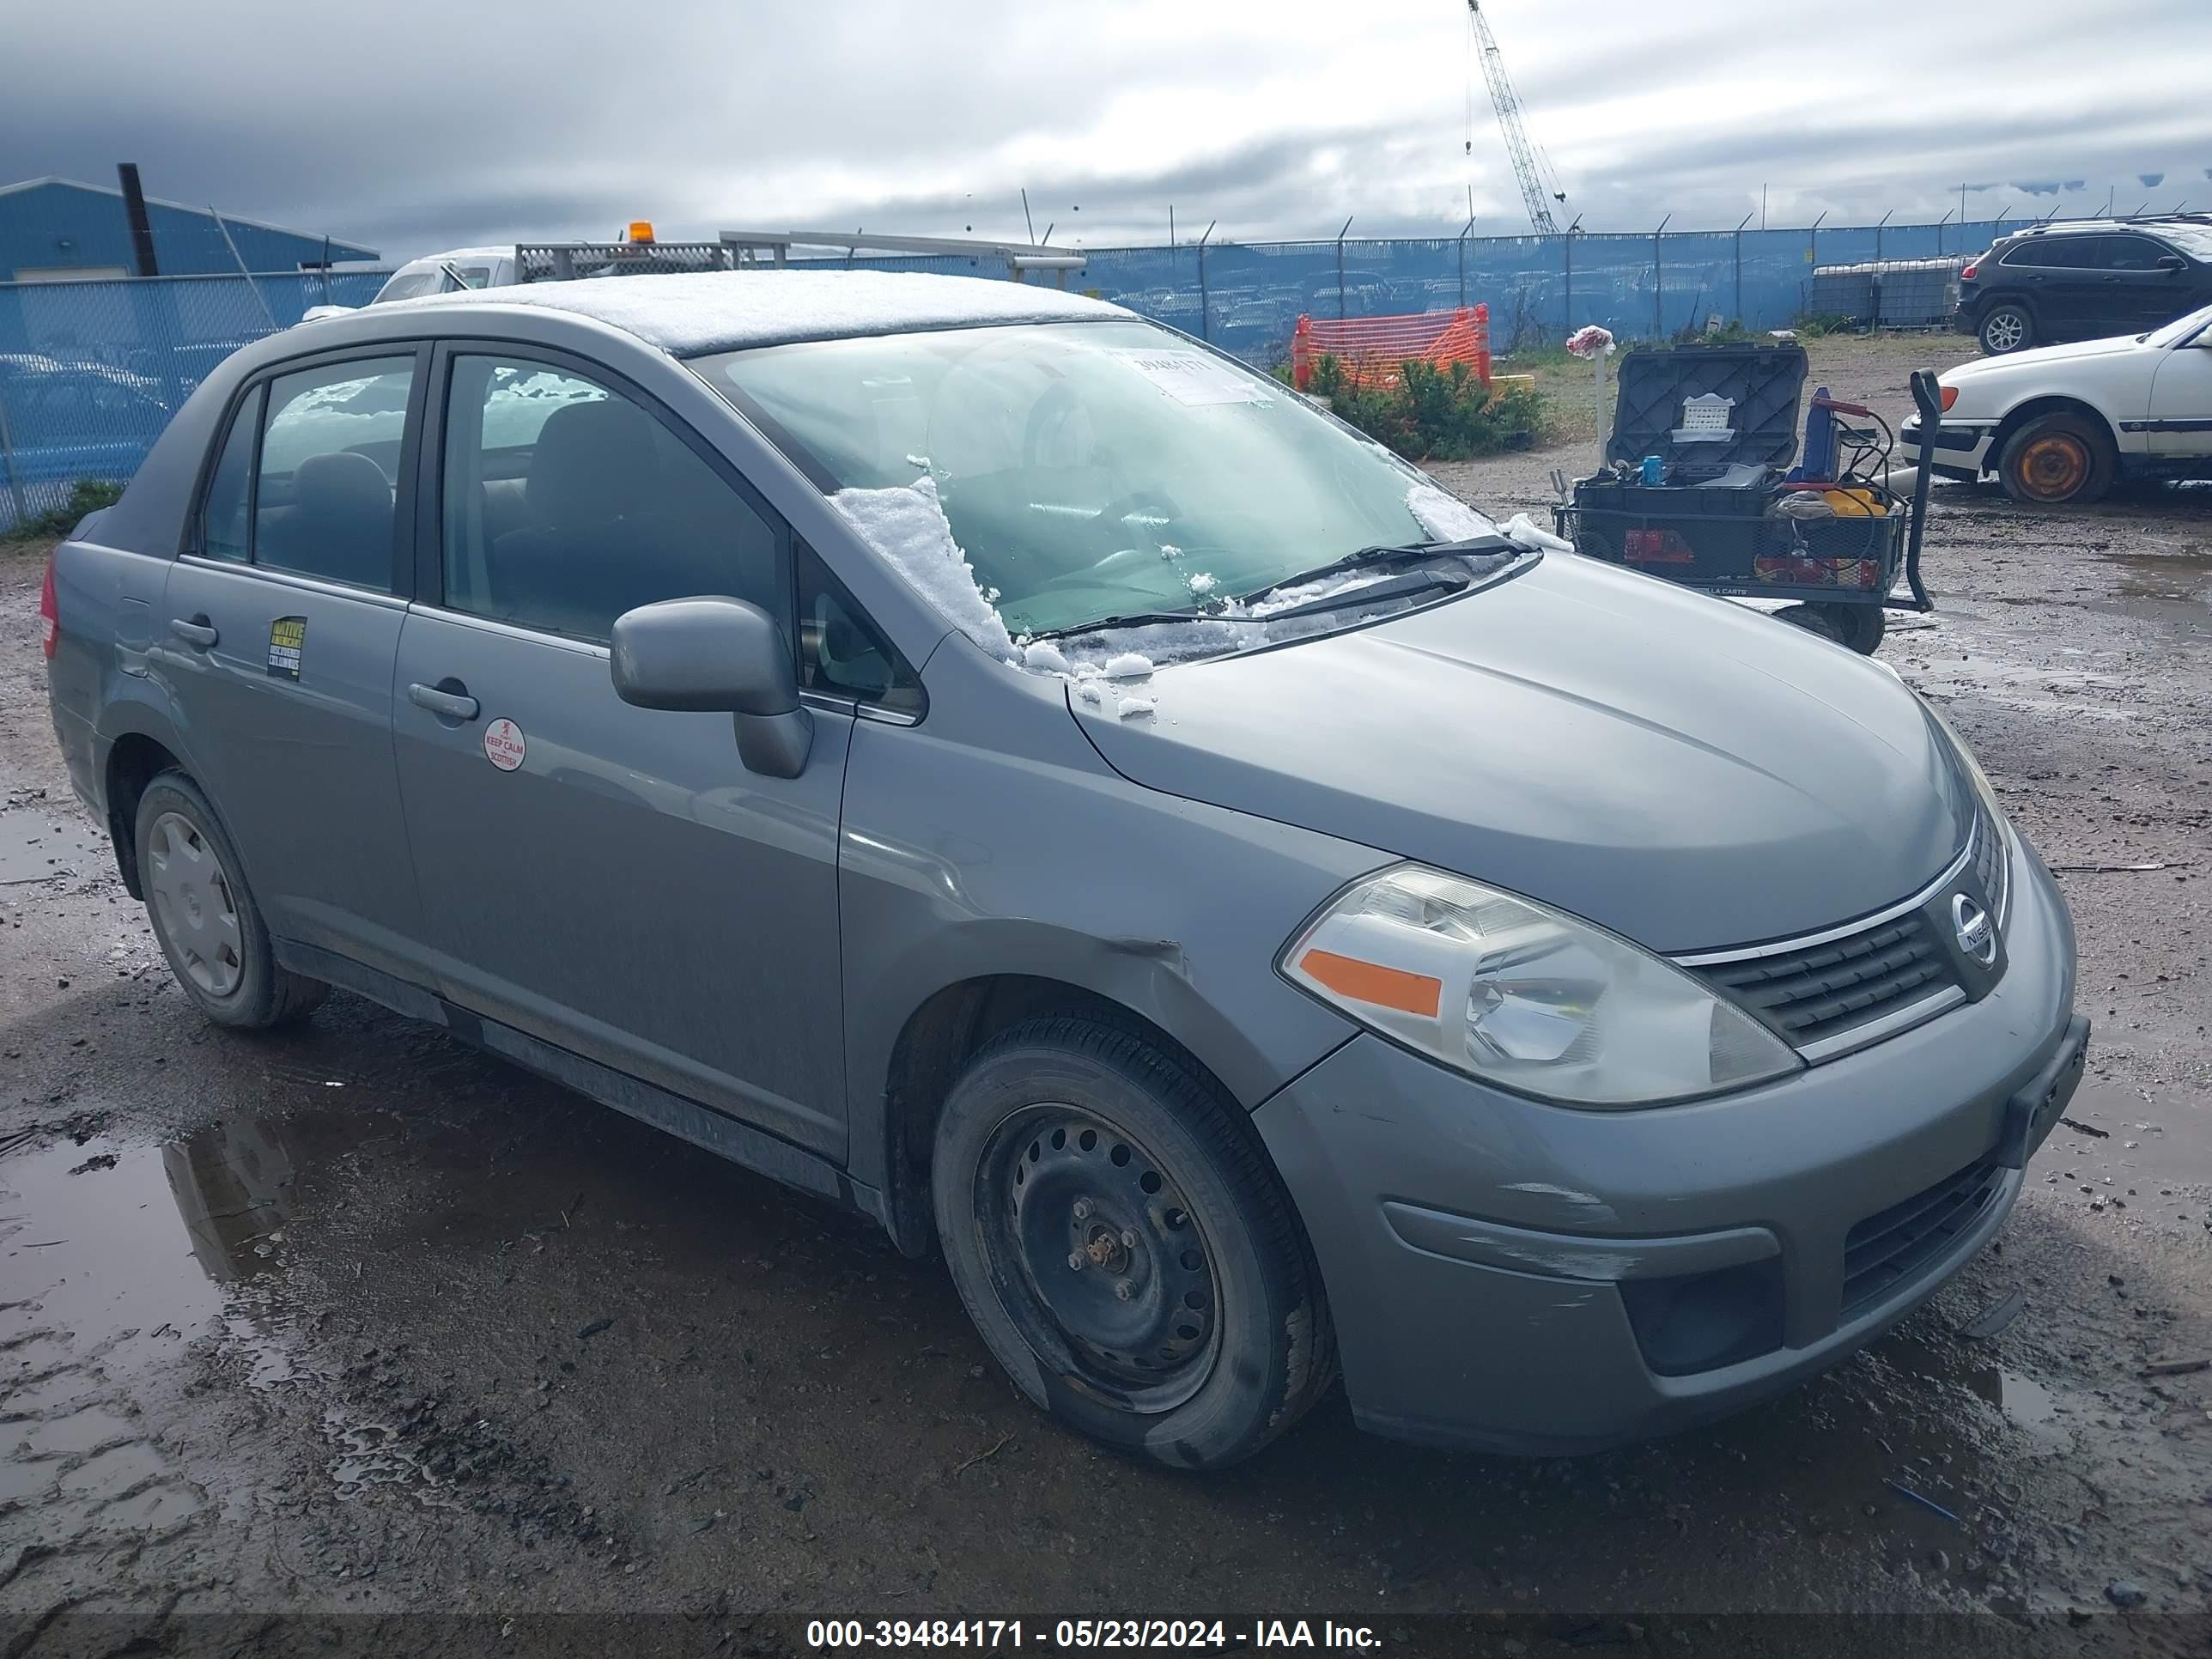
x,y
1537,193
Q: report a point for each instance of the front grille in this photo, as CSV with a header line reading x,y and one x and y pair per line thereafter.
x,y
1819,991
1887,1251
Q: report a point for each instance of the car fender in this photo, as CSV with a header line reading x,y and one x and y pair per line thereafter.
x,y
2112,385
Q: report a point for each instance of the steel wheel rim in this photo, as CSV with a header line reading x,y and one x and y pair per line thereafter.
x,y
195,904
1057,1185
2055,466
2003,331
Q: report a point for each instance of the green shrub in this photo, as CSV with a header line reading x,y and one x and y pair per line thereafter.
x,y
1433,414
89,495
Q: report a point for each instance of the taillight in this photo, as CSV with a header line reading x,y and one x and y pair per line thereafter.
x,y
50,613
1967,275
1950,397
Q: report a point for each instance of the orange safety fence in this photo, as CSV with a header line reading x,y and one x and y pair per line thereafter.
x,y
1372,348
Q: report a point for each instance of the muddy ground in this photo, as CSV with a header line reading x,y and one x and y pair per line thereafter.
x,y
354,1324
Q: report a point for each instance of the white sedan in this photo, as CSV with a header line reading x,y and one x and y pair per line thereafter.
x,y
2059,423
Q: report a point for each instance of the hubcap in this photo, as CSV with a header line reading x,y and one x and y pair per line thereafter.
x,y
2053,468
1086,1231
2003,332
194,904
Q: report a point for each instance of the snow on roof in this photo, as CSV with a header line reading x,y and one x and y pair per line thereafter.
x,y
690,313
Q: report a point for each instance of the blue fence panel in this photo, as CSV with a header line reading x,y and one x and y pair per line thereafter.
x,y
90,371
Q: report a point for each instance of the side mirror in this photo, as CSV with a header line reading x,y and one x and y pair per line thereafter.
x,y
721,656
2172,263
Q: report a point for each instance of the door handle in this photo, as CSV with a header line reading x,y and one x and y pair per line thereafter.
x,y
446,705
440,702
197,632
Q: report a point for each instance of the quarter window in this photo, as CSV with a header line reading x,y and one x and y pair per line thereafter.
x,y
842,653
331,443
225,528
566,503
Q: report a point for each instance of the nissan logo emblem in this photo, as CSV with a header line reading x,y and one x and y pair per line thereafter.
x,y
1977,933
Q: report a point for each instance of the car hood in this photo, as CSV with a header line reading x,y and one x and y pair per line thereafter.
x,y
2036,357
1687,772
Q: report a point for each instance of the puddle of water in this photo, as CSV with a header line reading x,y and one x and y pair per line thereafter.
x,y
2173,587
115,1260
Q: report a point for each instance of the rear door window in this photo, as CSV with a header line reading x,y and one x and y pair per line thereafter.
x,y
2055,252
325,491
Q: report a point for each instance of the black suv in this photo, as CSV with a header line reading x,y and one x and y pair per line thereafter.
x,y
2087,280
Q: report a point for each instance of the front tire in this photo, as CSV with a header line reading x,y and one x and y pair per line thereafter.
x,y
204,917
2058,460
1125,1247
2005,329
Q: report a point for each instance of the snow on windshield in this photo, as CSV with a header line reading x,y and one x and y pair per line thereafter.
x,y
906,527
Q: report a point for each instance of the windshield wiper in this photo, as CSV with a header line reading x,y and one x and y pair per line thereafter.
x,y
1410,585
1382,553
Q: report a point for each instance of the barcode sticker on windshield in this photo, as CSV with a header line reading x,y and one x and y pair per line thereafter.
x,y
1192,377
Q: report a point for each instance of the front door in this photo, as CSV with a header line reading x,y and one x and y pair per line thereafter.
x,y
2181,400
613,879
276,638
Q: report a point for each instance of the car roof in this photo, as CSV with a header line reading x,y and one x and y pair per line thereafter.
x,y
2080,226
690,314
432,261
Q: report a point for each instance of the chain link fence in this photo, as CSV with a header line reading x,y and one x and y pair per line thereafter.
x,y
90,372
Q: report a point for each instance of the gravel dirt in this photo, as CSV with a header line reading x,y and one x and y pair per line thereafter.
x,y
306,1339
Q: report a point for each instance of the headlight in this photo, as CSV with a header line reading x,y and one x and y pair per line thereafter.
x,y
1519,995
1993,834
1983,788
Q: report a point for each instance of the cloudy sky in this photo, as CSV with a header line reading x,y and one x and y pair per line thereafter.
x,y
417,125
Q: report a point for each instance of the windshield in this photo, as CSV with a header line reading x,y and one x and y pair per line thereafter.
x,y
2181,328
2191,238
1094,470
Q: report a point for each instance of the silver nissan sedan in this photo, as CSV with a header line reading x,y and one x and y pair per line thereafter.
x,y
981,757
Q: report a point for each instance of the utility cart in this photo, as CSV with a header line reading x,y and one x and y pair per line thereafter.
x,y
1702,486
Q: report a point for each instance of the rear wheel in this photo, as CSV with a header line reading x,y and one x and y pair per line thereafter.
x,y
2006,328
2057,460
1125,1249
1859,626
204,917
1813,619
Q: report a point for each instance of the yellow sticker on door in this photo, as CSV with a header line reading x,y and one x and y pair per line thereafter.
x,y
287,642
503,744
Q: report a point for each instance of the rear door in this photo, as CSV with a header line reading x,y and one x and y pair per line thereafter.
x,y
276,636
2142,293
612,879
2054,276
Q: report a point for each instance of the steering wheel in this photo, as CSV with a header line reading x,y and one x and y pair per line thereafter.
x,y
1155,504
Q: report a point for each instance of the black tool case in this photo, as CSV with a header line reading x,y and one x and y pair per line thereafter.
x,y
1710,412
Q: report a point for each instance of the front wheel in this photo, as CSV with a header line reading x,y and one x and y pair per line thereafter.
x,y
1129,1254
2006,329
2058,460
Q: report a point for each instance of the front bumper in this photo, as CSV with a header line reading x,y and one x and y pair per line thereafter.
x,y
1957,446
1475,1245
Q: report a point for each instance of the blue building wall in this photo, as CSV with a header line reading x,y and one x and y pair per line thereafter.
x,y
53,224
